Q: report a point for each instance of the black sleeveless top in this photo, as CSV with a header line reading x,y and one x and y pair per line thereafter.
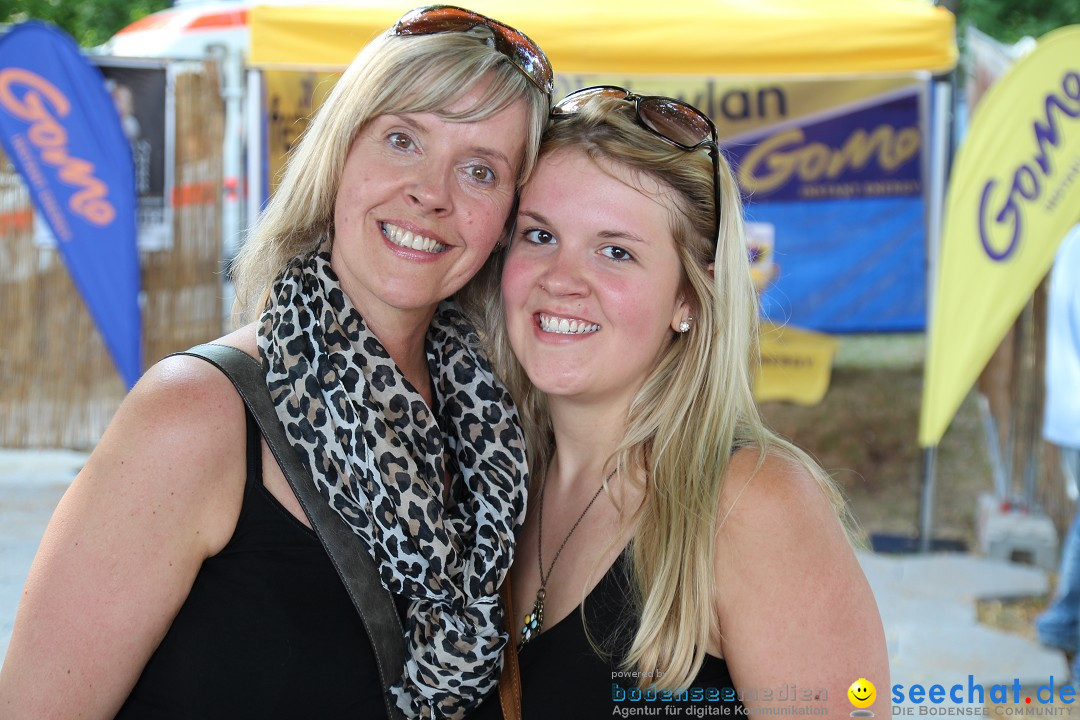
x,y
563,677
268,630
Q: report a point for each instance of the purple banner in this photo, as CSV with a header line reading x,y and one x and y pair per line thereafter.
x,y
871,152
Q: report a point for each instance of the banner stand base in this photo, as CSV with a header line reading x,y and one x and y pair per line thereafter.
x,y
910,544
1014,533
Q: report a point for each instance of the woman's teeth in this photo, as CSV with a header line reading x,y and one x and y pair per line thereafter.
x,y
404,238
563,326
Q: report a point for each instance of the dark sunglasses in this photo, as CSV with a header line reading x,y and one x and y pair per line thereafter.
x,y
523,52
671,120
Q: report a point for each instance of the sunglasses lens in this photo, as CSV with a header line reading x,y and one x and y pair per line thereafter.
x,y
573,102
530,58
432,20
677,122
524,53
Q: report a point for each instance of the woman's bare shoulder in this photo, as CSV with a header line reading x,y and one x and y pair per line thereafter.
x,y
182,421
786,576
778,521
191,391
771,487
188,392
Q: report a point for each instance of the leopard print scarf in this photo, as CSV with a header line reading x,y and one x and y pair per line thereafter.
x,y
377,455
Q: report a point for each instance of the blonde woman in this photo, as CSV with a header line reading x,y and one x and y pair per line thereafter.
x,y
675,551
179,577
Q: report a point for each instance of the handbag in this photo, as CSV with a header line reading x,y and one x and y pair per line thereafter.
x,y
353,563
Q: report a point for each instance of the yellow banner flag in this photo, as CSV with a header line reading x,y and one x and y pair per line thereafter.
x,y
795,365
1014,193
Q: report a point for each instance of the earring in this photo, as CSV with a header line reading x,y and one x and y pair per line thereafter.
x,y
684,326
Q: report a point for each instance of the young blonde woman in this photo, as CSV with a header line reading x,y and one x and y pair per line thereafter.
x,y
675,551
180,577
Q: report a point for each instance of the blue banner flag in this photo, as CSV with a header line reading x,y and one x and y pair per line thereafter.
x,y
61,130
842,194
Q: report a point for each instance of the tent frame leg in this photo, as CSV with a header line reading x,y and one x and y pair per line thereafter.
x,y
926,509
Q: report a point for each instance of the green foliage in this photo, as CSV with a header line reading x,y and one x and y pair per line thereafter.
x,y
1010,20
90,22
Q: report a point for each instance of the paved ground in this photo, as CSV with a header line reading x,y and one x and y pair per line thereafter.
x,y
31,484
927,602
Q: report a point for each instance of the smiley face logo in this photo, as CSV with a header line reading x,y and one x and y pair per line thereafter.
x,y
862,693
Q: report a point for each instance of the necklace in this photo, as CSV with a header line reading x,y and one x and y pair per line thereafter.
x,y
534,620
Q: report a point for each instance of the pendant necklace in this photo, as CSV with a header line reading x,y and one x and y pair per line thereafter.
x,y
534,621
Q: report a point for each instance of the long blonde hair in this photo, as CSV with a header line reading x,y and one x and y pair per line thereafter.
x,y
412,74
694,409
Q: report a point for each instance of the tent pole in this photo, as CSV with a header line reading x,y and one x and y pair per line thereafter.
x,y
939,168
254,146
231,62
926,508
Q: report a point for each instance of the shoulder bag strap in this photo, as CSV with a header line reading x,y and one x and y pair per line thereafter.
x,y
510,680
353,564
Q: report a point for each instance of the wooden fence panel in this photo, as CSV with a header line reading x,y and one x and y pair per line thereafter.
x,y
59,387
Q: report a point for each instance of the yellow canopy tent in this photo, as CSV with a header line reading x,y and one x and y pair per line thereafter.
x,y
713,37
628,41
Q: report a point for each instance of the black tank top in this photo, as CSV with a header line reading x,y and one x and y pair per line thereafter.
x,y
268,630
564,678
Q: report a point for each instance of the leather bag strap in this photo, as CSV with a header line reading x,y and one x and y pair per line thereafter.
x,y
510,680
353,563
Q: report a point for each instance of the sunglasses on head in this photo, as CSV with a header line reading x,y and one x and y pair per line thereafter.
x,y
671,120
523,52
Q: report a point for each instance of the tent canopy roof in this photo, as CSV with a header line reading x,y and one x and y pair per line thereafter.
x,y
711,37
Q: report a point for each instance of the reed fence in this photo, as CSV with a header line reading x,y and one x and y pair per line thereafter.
x,y
60,387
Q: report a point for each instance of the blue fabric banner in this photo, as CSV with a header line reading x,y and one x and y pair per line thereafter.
x,y
841,194
847,266
62,132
